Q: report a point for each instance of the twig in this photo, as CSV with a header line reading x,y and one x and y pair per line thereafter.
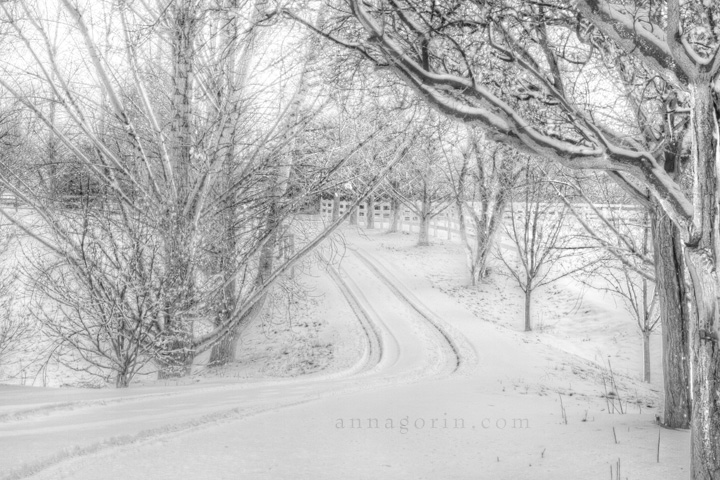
x,y
607,400
615,387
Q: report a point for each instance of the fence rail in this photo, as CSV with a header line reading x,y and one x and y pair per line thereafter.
x,y
8,199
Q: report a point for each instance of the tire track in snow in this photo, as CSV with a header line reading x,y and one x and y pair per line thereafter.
x,y
410,341
122,398
61,407
102,446
373,337
463,352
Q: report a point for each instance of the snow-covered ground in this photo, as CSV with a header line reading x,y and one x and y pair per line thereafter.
x,y
391,367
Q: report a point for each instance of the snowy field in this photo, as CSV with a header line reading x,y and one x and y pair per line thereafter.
x,y
391,366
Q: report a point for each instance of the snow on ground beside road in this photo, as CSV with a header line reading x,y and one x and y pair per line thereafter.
x,y
568,315
306,327
475,436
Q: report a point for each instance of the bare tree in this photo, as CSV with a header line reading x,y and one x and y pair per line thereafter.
x,y
640,299
100,301
421,186
483,186
622,271
537,230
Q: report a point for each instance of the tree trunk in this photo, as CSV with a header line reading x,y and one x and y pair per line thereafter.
x,y
675,319
462,224
482,254
469,253
702,260
182,77
395,220
528,300
354,216
474,277
705,421
370,213
234,74
226,350
646,356
122,379
424,235
175,356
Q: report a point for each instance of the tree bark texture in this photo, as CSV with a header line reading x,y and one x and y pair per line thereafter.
x,y
702,258
675,318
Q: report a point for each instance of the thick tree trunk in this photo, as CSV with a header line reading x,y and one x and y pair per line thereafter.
x,y
702,260
675,319
234,73
178,362
705,422
183,78
424,235
226,350
482,254
354,216
122,379
175,356
395,220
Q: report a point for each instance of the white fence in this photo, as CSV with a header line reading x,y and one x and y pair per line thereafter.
x,y
7,199
446,225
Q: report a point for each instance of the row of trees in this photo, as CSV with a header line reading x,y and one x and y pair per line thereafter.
x,y
540,224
